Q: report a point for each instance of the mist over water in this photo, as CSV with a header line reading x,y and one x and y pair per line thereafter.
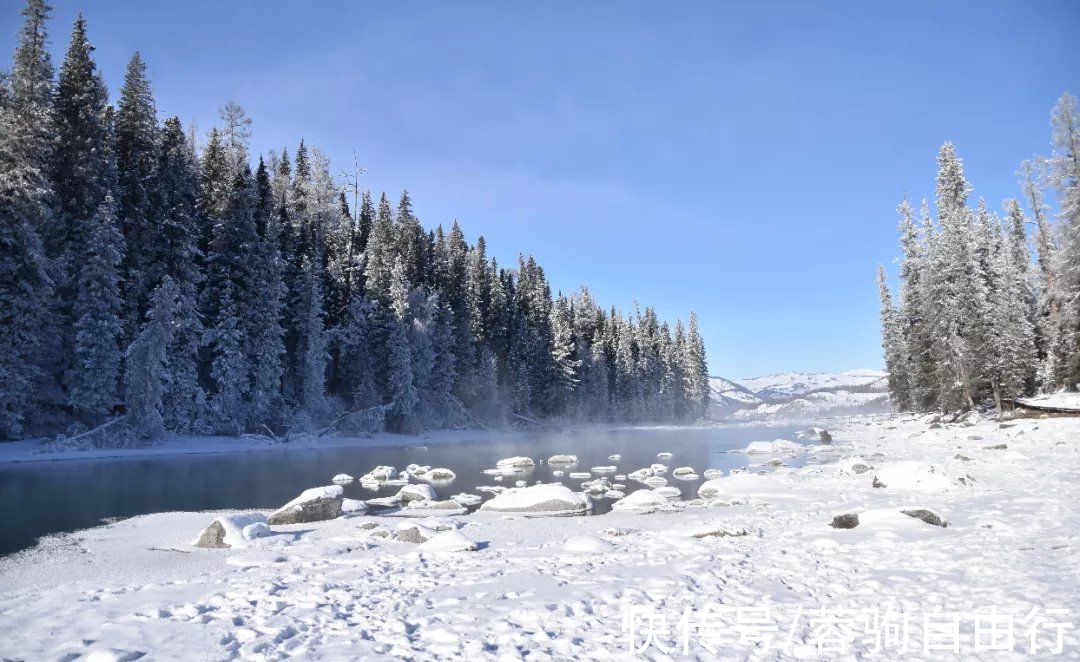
x,y
49,497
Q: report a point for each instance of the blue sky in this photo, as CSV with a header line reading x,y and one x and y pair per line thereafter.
x,y
741,159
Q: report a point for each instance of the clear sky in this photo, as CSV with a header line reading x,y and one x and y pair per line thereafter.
x,y
741,159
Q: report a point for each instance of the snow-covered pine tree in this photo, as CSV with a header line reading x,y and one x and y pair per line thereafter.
x,y
892,342
25,283
565,376
916,365
146,362
681,405
401,385
454,263
1048,327
229,367
175,255
365,221
266,346
313,344
953,287
31,124
92,378
410,240
82,179
27,212
666,379
216,179
1010,352
1065,177
355,342
478,291
626,399
1020,286
696,371
440,383
380,253
136,162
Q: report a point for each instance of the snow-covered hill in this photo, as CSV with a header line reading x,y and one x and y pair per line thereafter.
x,y
816,405
788,385
799,395
726,397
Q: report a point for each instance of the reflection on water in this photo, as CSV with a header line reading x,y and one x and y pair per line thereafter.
x,y
47,497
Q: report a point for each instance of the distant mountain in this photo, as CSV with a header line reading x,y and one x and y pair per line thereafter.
x,y
799,395
788,385
726,397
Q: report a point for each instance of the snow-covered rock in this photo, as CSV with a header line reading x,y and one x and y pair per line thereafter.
x,y
604,470
448,541
342,478
563,459
379,474
232,531
466,499
655,481
313,505
926,515
776,447
413,532
854,466
580,475
710,474
517,462
546,499
586,545
640,474
641,501
669,493
352,507
438,476
418,492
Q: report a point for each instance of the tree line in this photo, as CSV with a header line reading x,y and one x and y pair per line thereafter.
x,y
978,319
197,289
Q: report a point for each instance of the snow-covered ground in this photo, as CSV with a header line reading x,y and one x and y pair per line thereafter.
x,y
753,571
1062,400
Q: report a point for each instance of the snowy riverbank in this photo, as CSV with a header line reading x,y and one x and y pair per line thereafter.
x,y
734,578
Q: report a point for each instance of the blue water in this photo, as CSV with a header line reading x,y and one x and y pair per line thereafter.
x,y
41,498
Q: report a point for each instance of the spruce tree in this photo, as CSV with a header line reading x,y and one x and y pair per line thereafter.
x,y
136,163
565,363
401,386
175,255
146,363
265,305
696,371
25,283
30,125
92,379
892,342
